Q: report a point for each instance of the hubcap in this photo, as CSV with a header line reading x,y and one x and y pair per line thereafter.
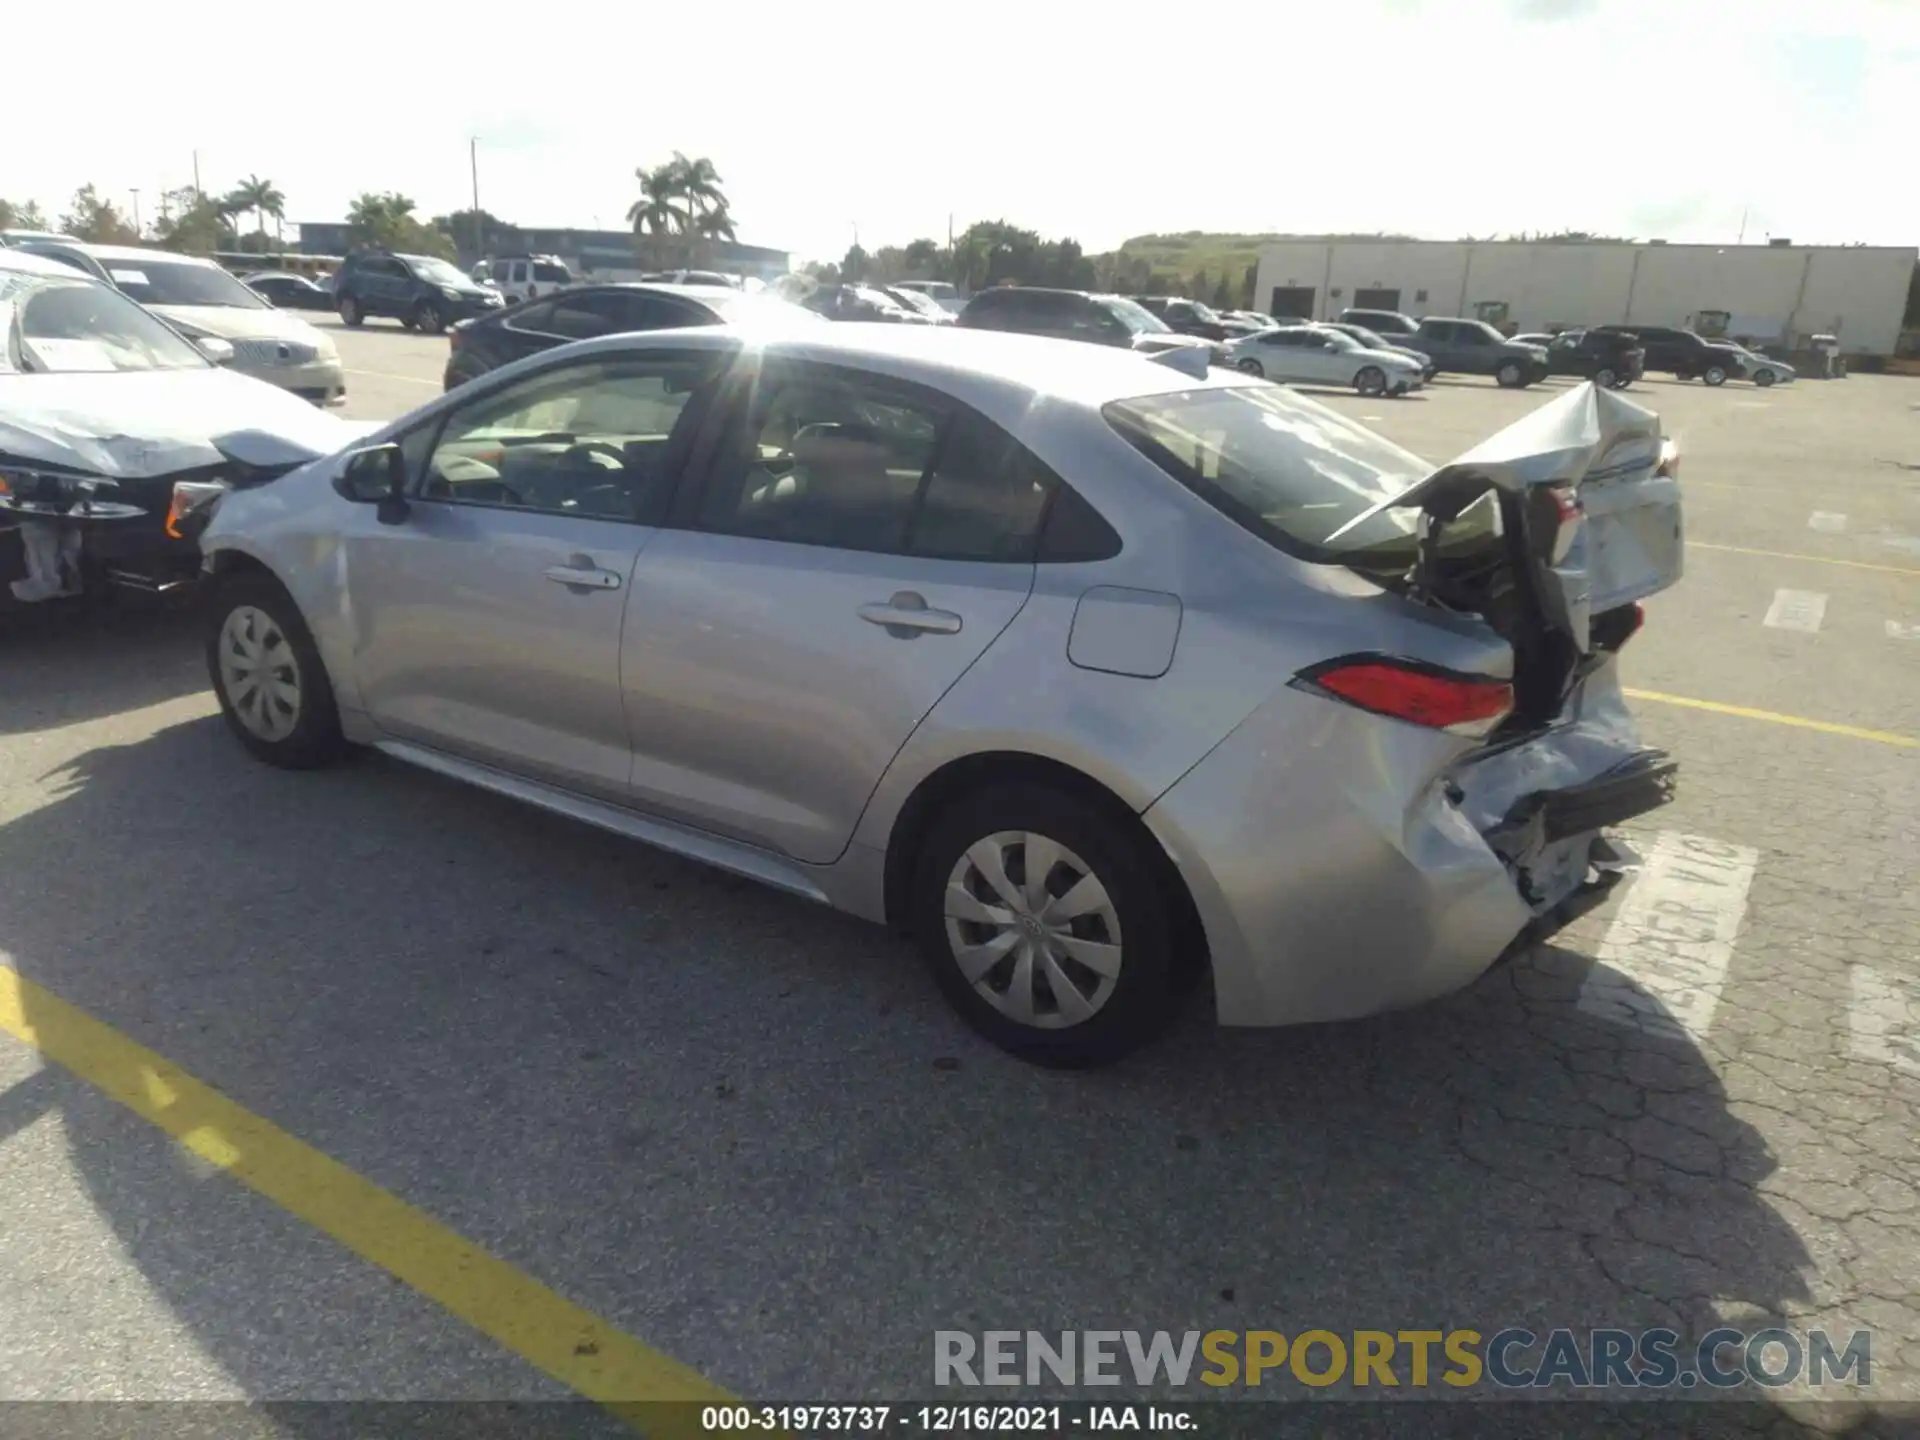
x,y
1033,930
259,673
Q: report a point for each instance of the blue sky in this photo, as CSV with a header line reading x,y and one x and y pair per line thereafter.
x,y
1438,118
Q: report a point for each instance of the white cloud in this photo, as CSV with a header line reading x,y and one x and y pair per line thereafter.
x,y
1470,117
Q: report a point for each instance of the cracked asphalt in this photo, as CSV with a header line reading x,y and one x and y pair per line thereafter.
x,y
749,1133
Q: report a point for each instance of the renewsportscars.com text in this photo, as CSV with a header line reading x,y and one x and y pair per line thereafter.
x,y
1510,1359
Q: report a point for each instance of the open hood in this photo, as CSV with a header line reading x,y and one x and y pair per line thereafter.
x,y
135,425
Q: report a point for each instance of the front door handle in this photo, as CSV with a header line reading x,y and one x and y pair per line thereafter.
x,y
907,615
581,573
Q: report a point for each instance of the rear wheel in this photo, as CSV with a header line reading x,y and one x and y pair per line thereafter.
x,y
1250,366
1715,375
269,678
1370,381
1605,378
1046,925
1510,375
351,314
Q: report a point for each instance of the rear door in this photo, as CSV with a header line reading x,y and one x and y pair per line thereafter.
x,y
856,545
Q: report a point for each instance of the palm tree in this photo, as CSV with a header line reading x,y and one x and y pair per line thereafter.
x,y
261,197
698,184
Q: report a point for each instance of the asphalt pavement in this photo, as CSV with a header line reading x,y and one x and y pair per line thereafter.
x,y
748,1133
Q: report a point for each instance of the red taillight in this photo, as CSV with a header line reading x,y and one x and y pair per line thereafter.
x,y
1419,694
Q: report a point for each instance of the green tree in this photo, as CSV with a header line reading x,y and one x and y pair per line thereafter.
x,y
853,269
1223,295
193,222
1250,283
260,198
485,232
25,216
920,258
386,220
97,220
655,216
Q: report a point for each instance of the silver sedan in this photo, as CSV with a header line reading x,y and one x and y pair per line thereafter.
x,y
1095,676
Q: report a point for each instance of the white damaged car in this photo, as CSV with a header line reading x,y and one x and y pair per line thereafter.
x,y
202,301
116,434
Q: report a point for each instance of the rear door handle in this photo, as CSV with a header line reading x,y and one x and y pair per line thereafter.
x,y
581,573
907,615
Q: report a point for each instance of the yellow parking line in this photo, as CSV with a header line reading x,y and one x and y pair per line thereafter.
x,y
1796,555
1853,732
573,1345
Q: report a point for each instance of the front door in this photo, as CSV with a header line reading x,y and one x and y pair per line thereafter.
x,y
488,621
857,545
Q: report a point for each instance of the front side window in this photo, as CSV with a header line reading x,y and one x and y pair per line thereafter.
x,y
589,440
60,326
1292,472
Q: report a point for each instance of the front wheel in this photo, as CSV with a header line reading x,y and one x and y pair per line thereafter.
x,y
1763,378
1047,926
1715,375
427,318
1510,376
1250,367
1370,381
269,678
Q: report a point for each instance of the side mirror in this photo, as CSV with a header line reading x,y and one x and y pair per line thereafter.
x,y
219,351
376,475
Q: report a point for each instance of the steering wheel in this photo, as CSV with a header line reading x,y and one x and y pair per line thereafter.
x,y
582,449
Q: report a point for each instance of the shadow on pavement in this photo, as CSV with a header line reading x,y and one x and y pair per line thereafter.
x,y
748,1132
64,664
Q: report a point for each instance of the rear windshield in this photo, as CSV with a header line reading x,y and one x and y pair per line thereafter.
x,y
1288,469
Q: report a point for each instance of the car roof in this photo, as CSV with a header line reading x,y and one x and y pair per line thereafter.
x,y
29,263
995,370
135,253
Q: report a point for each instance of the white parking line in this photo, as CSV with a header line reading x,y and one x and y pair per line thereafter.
x,y
1664,960
388,375
1832,522
1897,631
1801,610
1883,1020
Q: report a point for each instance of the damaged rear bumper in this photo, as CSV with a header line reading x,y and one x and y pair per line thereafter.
x,y
1350,873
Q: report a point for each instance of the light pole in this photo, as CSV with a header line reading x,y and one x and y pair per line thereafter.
x,y
137,232
473,165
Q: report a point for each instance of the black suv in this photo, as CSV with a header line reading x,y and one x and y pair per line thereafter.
x,y
1682,353
1072,315
1188,317
422,292
1612,358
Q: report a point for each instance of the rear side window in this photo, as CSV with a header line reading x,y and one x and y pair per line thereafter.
x,y
983,499
1294,474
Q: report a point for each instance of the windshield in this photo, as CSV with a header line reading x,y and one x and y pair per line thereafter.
x,y
750,309
1290,470
1202,312
1137,318
155,281
1369,338
435,271
546,272
52,325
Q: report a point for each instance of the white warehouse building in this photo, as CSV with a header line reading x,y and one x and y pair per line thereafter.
x,y
1774,294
